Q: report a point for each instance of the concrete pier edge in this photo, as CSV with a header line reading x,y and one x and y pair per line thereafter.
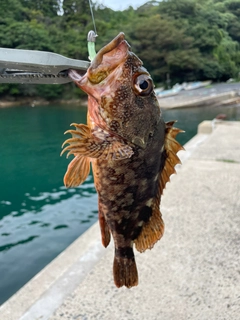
x,y
43,295
47,289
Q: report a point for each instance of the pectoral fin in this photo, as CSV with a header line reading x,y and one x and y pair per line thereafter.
x,y
77,171
117,150
95,144
82,142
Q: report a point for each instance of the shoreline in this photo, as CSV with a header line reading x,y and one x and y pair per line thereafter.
x,y
221,99
222,94
165,103
37,101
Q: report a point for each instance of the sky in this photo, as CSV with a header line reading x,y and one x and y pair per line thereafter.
x,y
121,4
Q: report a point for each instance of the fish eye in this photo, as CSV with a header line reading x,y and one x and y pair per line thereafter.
x,y
143,85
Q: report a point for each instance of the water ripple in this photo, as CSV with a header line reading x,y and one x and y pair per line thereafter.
x,y
57,210
10,245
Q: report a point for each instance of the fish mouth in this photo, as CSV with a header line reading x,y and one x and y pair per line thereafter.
x,y
102,76
108,58
108,48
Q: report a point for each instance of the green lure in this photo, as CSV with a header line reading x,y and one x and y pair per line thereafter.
x,y
91,44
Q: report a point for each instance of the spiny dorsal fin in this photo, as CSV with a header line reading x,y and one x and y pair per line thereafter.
x,y
171,147
152,231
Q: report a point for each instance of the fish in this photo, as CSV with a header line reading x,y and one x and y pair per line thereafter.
x,y
132,151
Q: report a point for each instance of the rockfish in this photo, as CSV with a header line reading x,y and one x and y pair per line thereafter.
x,y
131,149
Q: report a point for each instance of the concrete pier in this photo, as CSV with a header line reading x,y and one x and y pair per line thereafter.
x,y
215,94
192,273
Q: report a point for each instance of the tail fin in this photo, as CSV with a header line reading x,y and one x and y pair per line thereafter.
x,y
125,270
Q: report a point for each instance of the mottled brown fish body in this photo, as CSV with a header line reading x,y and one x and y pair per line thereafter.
x,y
132,151
127,190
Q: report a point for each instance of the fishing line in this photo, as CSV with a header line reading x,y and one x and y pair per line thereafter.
x,y
93,20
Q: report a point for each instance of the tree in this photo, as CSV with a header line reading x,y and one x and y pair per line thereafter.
x,y
49,8
187,39
76,13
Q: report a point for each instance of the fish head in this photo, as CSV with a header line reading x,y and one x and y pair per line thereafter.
x,y
120,90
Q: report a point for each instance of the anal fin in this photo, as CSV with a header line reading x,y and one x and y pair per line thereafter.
x,y
105,232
